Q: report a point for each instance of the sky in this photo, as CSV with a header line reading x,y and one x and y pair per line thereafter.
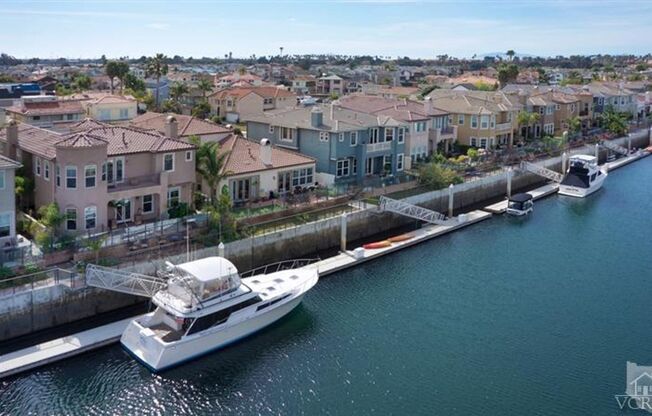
x,y
414,28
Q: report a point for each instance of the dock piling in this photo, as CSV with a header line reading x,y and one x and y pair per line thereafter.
x,y
343,232
564,162
597,152
220,249
451,193
510,173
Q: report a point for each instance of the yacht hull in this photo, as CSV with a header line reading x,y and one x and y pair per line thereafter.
x,y
583,192
158,357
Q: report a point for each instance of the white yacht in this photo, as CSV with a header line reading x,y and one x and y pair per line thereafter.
x,y
583,176
206,306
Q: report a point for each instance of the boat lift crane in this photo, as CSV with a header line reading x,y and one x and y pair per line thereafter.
x,y
412,211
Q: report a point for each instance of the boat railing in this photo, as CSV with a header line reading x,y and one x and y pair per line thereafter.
x,y
279,266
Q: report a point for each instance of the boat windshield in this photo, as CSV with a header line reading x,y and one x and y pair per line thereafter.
x,y
515,205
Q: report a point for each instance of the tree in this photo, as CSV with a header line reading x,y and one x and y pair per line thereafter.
x,y
526,119
6,78
437,176
574,126
112,70
51,218
157,67
133,83
201,110
171,106
205,86
507,73
178,90
511,54
614,122
81,82
123,70
95,245
24,185
209,164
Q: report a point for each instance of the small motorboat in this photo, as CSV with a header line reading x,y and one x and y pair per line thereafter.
x,y
377,244
399,238
520,204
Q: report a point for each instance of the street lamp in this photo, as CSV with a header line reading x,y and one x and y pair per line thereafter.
x,y
188,222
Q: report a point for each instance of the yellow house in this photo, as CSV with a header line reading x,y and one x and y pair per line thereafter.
x,y
108,108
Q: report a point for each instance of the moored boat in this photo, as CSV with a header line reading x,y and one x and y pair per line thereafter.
x,y
520,204
583,177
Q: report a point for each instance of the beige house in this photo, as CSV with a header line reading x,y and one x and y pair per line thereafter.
x,y
260,170
102,176
8,168
237,103
483,119
106,107
46,111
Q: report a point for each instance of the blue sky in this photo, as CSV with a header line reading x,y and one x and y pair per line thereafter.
x,y
416,28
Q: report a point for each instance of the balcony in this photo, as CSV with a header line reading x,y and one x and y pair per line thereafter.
x,y
445,133
379,147
504,127
135,182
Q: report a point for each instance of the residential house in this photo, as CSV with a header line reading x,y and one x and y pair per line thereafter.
x,y
236,77
390,92
258,169
8,168
238,103
428,130
348,146
186,126
106,107
612,95
484,119
103,175
304,85
330,84
46,111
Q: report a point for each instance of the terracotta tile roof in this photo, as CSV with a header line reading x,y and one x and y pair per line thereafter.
x,y
244,157
35,140
101,97
6,163
82,139
263,91
47,108
188,125
399,109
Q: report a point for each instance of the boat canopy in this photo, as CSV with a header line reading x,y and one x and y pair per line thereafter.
x,y
587,159
520,198
205,278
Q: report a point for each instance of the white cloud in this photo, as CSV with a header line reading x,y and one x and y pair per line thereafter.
x,y
157,26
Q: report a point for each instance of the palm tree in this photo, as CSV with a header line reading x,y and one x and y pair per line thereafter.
x,y
526,119
157,67
177,91
511,54
209,164
205,86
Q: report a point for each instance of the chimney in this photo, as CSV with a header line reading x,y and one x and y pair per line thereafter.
x,y
12,139
266,152
171,127
427,105
316,117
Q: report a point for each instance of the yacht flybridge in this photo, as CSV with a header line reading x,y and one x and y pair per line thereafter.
x,y
583,176
205,305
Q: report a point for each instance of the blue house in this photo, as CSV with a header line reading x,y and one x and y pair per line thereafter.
x,y
350,147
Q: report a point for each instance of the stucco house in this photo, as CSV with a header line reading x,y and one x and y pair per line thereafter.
x,y
187,126
46,111
8,168
106,107
103,175
239,103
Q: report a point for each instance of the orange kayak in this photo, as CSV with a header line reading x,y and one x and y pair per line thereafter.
x,y
377,244
399,238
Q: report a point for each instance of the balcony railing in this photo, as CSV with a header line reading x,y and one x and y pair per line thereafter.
x,y
504,126
379,147
135,182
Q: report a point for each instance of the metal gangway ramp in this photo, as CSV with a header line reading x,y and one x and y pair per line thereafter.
x,y
542,171
614,147
412,211
123,281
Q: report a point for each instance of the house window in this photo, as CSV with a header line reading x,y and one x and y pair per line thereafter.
x,y
71,219
474,122
90,217
341,137
148,204
557,107
188,155
493,122
474,142
3,179
287,134
342,168
549,109
460,119
90,174
37,166
541,110
271,129
302,177
168,162
484,122
369,166
5,225
420,126
387,163
389,134
572,108
174,195
323,136
373,135
46,170
354,138
354,166
119,169
401,135
105,114
399,162
509,117
124,113
483,142
71,177
57,172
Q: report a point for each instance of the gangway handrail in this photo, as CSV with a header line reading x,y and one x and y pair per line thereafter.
x,y
411,210
541,171
614,147
123,281
279,266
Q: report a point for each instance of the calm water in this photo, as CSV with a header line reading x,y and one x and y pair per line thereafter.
x,y
507,317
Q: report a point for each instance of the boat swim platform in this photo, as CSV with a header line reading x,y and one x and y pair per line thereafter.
x,y
56,350
61,348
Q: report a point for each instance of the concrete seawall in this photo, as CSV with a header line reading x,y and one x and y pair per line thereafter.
x,y
46,307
